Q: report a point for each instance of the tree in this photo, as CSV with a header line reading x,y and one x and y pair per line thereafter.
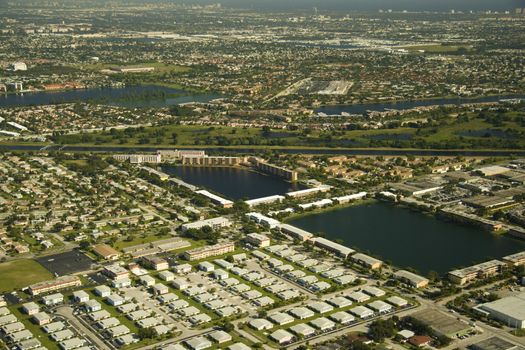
x,y
228,327
147,333
381,329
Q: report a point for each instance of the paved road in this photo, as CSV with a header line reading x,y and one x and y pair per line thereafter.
x,y
67,312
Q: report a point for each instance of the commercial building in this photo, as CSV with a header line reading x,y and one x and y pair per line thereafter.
x,y
53,285
106,252
214,223
509,310
208,251
411,278
479,271
333,247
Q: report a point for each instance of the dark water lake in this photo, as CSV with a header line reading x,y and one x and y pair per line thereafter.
x,y
143,96
381,107
408,238
233,183
223,150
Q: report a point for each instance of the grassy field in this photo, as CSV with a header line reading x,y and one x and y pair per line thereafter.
x,y
18,274
35,329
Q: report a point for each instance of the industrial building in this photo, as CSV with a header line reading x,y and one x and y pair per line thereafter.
x,y
442,323
495,343
509,310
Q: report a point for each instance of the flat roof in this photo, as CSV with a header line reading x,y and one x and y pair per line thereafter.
x,y
513,306
495,343
441,322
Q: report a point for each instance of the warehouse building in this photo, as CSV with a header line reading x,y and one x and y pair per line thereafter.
x,y
495,343
509,310
442,323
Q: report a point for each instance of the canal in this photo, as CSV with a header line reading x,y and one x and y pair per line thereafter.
x,y
233,183
381,107
407,238
143,96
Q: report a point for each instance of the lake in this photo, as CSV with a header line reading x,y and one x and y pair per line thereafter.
x,y
223,150
381,107
143,96
233,183
408,238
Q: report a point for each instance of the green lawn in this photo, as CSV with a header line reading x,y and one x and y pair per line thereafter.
x,y
18,274
37,331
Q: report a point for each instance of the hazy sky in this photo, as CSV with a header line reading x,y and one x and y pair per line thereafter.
x,y
371,4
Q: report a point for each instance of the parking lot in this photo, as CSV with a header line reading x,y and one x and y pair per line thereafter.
x,y
66,263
